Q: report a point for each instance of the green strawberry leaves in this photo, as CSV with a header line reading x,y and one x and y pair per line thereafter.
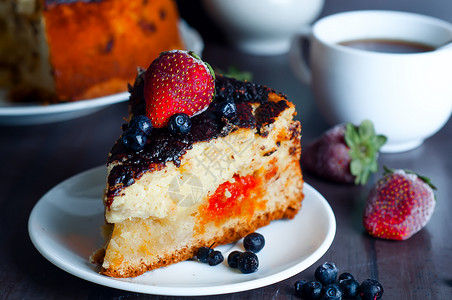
x,y
364,147
425,179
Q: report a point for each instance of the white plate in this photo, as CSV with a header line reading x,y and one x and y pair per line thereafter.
x,y
34,113
64,227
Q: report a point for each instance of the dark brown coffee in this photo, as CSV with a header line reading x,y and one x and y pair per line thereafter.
x,y
388,46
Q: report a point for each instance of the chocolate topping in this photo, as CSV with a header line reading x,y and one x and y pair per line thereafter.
x,y
163,146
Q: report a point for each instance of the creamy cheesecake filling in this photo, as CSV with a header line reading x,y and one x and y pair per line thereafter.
x,y
136,245
201,171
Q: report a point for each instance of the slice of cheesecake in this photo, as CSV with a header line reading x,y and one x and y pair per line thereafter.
x,y
214,185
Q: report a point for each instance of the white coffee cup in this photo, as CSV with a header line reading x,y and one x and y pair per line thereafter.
x,y
408,96
263,27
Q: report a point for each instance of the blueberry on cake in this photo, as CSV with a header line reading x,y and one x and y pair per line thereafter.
x,y
203,160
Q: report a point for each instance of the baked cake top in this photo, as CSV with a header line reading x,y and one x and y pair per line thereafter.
x,y
164,146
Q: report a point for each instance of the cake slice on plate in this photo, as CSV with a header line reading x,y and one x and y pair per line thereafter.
x,y
195,167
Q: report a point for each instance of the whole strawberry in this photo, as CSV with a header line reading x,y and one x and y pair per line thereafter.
x,y
177,82
399,205
344,153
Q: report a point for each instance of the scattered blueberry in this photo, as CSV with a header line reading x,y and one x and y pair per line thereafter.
x,y
332,292
349,287
311,290
227,109
215,258
134,139
179,124
248,262
254,242
203,253
345,276
142,123
326,273
370,289
233,259
345,288
299,287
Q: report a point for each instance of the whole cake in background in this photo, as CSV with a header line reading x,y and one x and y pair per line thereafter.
x,y
58,50
203,161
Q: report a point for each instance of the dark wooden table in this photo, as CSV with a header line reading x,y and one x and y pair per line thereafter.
x,y
33,159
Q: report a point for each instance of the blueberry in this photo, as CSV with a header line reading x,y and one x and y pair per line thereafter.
x,y
311,290
248,262
215,258
332,292
227,109
370,289
134,139
299,287
179,123
254,242
203,253
345,276
142,123
326,273
349,287
233,259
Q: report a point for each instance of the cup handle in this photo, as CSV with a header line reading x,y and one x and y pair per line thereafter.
x,y
298,58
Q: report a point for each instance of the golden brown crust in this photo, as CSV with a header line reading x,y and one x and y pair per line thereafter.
x,y
230,235
85,59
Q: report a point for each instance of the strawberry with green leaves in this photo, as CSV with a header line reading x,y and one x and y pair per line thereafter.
x,y
177,82
345,153
399,205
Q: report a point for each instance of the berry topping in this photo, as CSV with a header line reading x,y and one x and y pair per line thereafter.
x,y
349,287
203,253
177,82
312,290
248,262
332,292
134,139
299,284
227,109
370,289
233,259
254,242
142,123
326,273
179,124
345,153
215,258
399,205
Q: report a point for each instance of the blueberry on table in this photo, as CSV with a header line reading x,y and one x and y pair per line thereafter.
x,y
345,276
215,258
349,287
370,289
233,259
326,273
254,242
299,284
142,123
203,253
179,124
311,290
248,262
134,139
332,292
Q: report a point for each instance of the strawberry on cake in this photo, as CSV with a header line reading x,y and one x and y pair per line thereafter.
x,y
202,161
